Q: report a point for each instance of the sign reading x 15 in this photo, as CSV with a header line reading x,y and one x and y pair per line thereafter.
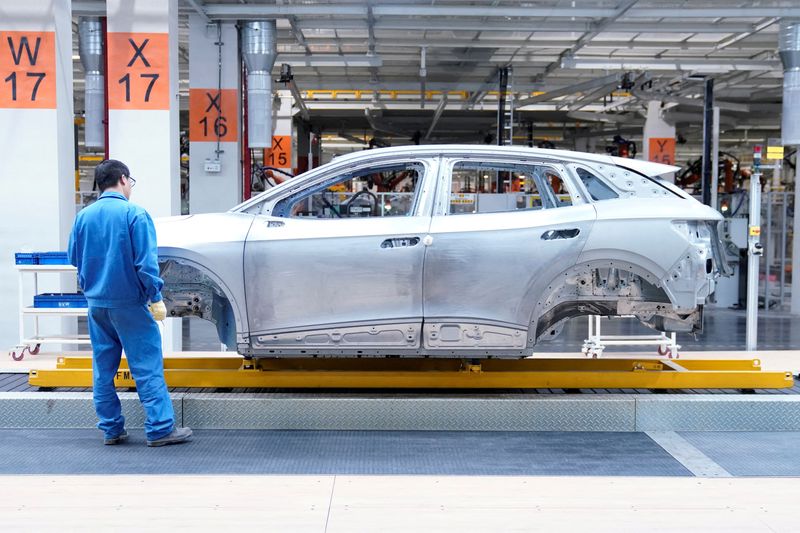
x,y
138,70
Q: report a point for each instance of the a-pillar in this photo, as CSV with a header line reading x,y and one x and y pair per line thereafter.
x,y
143,106
215,172
37,183
658,139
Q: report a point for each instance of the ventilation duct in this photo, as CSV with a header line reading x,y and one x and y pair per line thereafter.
x,y
90,47
789,48
258,52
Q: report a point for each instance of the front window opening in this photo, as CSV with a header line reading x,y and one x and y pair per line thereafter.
x,y
370,192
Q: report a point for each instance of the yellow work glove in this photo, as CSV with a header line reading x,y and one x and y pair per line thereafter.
x,y
158,310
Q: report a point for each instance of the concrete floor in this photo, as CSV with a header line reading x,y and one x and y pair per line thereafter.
x,y
334,503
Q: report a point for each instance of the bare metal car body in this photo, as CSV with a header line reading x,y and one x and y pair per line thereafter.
x,y
444,281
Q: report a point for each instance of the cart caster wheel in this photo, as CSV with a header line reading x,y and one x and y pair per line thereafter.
x,y
664,350
17,355
35,349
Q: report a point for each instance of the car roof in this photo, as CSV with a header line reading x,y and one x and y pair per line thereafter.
x,y
637,165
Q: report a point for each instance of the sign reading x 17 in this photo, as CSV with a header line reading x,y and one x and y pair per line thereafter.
x,y
138,70
27,69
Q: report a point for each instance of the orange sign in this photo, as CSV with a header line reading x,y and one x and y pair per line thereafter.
x,y
662,150
138,71
213,115
280,156
27,69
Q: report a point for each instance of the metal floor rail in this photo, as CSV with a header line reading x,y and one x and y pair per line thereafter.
x,y
335,373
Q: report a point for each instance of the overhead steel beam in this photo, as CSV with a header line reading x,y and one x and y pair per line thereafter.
x,y
605,117
538,44
266,11
736,38
329,60
373,115
686,101
403,10
588,36
684,12
518,25
496,11
571,89
591,96
298,99
89,8
702,65
198,8
437,115
680,117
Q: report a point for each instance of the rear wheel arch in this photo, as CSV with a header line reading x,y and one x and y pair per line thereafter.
x,y
592,288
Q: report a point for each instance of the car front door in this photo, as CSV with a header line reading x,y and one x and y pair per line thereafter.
x,y
492,254
336,267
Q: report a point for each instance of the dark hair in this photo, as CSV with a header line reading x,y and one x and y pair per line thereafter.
x,y
108,172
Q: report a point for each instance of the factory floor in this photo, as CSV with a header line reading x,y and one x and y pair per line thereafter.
x,y
329,503
420,480
402,481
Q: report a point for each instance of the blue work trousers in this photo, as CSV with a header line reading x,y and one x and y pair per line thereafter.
x,y
133,329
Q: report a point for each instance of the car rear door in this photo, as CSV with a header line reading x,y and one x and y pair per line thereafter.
x,y
491,255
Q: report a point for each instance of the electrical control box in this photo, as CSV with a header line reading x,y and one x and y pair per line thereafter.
x,y
213,166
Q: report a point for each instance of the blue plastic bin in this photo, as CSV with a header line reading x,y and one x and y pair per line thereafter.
x,y
53,258
60,300
26,259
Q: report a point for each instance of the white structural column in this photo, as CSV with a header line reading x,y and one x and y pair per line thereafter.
x,y
215,182
658,137
37,185
143,121
283,154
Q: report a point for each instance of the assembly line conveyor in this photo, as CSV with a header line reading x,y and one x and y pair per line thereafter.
x,y
397,373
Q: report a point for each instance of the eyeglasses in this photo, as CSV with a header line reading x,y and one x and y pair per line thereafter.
x,y
132,180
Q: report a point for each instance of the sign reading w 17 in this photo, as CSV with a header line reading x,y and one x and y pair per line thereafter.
x,y
138,70
27,69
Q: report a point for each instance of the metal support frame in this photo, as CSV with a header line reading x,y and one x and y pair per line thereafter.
x,y
502,87
754,252
776,235
715,160
227,372
596,342
708,125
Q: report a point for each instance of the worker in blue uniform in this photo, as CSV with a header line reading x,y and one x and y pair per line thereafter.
x,y
113,245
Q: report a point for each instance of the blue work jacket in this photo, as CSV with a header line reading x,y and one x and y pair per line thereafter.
x,y
113,244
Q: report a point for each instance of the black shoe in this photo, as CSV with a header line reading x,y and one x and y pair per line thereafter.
x,y
177,436
119,439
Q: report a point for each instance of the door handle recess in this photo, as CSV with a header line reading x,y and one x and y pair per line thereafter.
x,y
400,242
553,234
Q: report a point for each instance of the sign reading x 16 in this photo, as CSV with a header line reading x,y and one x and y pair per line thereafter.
x,y
138,70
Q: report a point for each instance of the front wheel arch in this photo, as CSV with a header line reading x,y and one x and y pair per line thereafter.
x,y
190,289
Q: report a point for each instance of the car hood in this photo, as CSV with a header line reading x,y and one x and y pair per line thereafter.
x,y
195,231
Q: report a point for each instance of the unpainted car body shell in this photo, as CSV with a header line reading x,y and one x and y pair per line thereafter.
x,y
482,284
